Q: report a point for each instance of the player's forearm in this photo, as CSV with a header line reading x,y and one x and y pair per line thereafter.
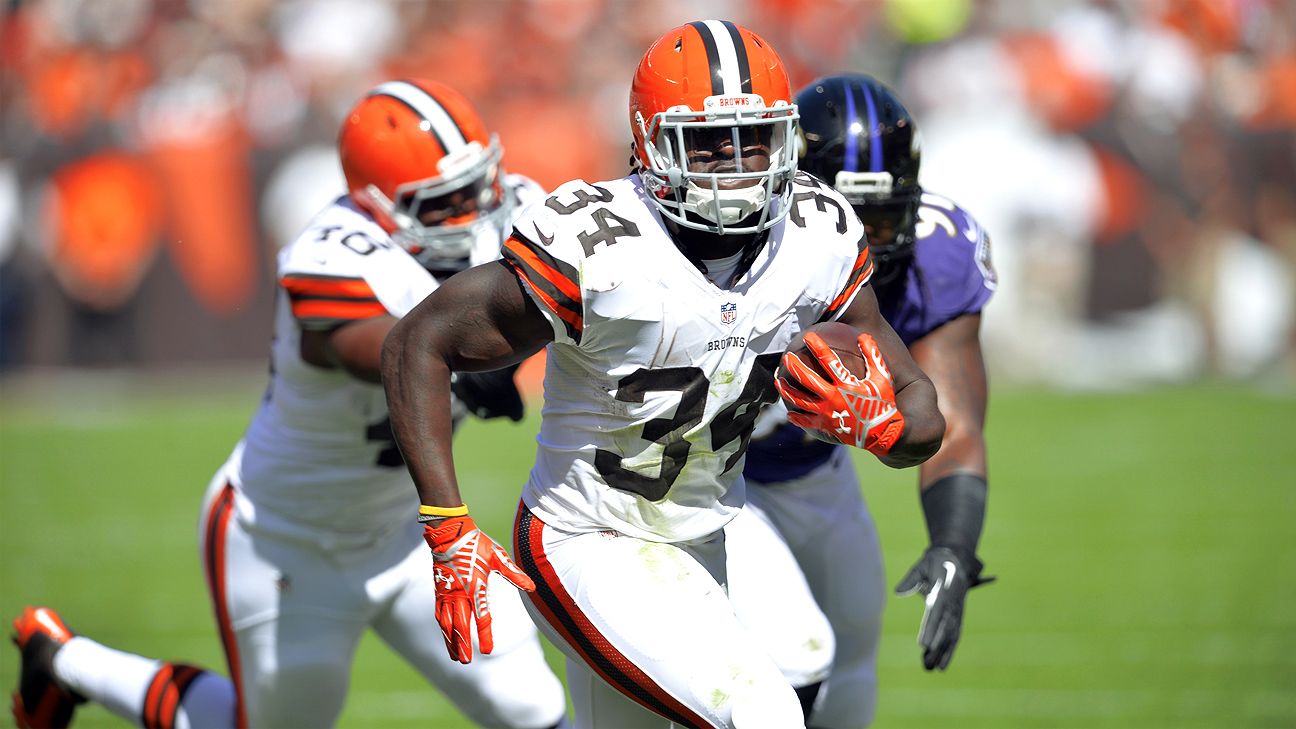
x,y
954,507
924,425
416,377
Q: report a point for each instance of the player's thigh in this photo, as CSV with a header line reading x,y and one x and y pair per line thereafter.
x,y
598,705
289,622
825,522
772,600
653,622
513,686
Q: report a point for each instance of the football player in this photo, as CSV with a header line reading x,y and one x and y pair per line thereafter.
x,y
932,276
666,300
302,535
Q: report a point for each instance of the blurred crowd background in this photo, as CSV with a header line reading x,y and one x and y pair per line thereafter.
x,y
1133,160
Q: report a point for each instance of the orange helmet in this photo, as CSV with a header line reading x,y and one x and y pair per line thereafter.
x,y
714,128
419,160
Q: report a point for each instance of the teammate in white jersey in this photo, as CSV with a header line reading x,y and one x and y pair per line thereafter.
x,y
933,278
303,534
666,300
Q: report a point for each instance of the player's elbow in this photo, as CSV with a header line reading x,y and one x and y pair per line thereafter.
x,y
921,440
393,348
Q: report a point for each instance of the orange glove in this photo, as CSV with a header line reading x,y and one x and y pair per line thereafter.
x,y
464,558
842,408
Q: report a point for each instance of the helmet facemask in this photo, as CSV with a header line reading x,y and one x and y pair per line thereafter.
x,y
889,213
715,169
438,219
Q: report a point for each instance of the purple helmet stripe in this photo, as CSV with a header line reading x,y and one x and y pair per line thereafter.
x,y
852,142
875,140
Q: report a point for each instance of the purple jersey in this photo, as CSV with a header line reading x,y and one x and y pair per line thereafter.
x,y
950,276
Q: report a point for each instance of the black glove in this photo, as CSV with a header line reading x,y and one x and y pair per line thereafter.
x,y
489,394
944,576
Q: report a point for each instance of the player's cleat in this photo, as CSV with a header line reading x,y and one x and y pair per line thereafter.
x,y
39,702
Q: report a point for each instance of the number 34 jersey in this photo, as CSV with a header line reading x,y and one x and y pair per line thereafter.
x,y
656,375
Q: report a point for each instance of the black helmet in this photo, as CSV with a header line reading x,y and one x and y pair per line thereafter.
x,y
860,139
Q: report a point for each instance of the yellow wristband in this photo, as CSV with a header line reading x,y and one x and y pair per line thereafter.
x,y
460,510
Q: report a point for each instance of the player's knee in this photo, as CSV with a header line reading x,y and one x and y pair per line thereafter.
x,y
303,690
534,696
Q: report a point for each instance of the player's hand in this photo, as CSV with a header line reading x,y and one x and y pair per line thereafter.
x,y
489,395
464,558
944,576
843,407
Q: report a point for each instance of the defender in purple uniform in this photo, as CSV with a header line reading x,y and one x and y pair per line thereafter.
x,y
932,278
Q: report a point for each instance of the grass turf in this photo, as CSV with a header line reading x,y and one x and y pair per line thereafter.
x,y
1144,543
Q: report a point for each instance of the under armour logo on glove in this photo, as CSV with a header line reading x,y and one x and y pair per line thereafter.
x,y
857,409
464,558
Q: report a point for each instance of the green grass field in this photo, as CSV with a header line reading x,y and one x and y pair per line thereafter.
x,y
1145,546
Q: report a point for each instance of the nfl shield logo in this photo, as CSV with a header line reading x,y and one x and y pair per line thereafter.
x,y
728,313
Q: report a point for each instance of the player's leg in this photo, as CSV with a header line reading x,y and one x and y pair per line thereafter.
x,y
512,688
60,669
772,600
597,704
825,522
289,618
653,622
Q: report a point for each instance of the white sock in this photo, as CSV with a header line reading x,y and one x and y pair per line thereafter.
x,y
111,678
120,682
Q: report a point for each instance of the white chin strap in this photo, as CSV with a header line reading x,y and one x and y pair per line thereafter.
x,y
725,207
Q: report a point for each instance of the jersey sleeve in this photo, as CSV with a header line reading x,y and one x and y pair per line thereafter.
x,y
953,255
323,301
860,273
547,259
343,269
848,237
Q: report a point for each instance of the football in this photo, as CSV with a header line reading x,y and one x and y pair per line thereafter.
x,y
841,338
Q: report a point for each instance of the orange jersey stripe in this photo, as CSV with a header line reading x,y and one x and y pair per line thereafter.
x,y
857,278
559,281
567,315
345,310
326,286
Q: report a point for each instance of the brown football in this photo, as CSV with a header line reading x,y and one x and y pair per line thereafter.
x,y
842,338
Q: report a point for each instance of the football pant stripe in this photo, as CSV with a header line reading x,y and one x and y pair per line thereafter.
x,y
566,617
214,562
860,274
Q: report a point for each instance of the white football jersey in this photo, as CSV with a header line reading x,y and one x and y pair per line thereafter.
x,y
656,375
319,453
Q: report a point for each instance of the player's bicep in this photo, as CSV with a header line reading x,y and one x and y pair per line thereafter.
x,y
483,319
864,315
951,356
